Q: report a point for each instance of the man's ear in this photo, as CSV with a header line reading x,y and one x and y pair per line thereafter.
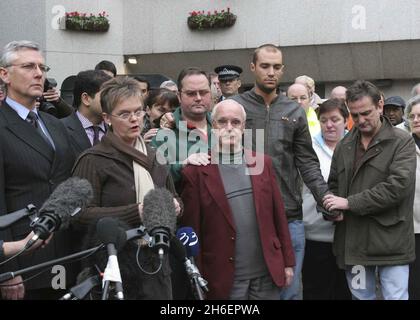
x,y
85,99
4,75
239,83
252,67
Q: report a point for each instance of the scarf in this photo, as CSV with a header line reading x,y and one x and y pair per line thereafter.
x,y
141,164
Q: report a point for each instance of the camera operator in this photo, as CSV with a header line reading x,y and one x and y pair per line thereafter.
x,y
51,102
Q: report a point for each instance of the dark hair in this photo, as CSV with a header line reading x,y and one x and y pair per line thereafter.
x,y
270,47
142,79
106,65
189,72
333,104
161,97
116,90
89,81
363,88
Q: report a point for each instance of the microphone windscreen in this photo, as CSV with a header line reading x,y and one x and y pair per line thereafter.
x,y
159,210
108,231
65,200
177,249
189,239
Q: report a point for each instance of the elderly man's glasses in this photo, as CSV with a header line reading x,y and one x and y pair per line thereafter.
x,y
128,115
31,66
223,123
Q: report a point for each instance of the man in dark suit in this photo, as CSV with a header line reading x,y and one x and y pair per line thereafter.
x,y
86,126
35,156
236,209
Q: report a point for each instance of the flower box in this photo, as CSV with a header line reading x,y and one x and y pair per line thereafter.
x,y
199,20
77,21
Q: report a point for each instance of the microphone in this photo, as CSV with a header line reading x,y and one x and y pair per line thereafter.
x,y
115,238
159,218
8,219
80,291
188,241
66,200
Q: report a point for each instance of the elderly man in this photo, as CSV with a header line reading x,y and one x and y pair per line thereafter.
x,y
238,215
338,92
373,177
35,156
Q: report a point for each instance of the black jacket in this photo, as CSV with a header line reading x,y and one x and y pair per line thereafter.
x,y
29,171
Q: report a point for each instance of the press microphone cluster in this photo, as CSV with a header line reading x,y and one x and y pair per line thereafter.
x,y
68,199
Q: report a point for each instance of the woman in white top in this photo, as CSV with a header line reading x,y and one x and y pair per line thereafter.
x,y
321,277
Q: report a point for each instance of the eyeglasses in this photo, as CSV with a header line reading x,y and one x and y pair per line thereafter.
x,y
413,116
128,115
31,66
193,94
236,123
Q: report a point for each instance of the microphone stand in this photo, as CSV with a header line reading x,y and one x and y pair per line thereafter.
x,y
80,291
10,275
198,292
196,279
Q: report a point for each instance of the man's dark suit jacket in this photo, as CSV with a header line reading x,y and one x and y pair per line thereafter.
x,y
78,137
29,171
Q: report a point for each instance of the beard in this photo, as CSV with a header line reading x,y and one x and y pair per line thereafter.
x,y
264,88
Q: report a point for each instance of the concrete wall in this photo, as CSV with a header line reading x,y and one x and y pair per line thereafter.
x,y
160,26
22,20
68,52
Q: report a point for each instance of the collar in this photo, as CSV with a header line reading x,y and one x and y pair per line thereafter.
x,y
21,110
86,122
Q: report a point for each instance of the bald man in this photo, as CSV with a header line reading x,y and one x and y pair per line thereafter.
x,y
338,92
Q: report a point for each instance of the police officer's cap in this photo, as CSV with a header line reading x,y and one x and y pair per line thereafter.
x,y
228,72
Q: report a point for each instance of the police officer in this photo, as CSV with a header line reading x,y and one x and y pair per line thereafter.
x,y
229,80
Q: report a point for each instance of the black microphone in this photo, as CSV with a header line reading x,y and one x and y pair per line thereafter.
x,y
67,200
81,290
188,240
159,218
115,238
8,219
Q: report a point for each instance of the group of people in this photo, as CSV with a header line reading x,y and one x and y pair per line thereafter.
x,y
300,196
